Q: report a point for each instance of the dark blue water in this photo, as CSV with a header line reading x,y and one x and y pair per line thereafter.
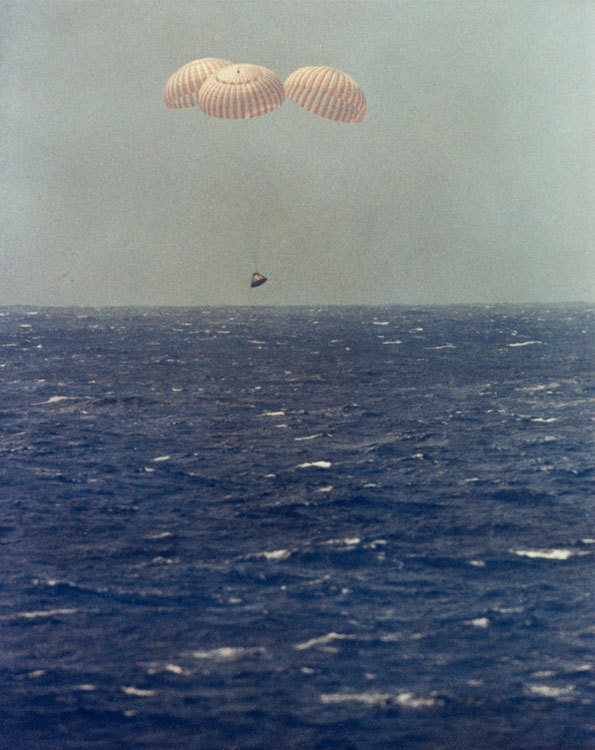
x,y
296,528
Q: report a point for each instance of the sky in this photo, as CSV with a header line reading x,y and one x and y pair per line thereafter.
x,y
471,180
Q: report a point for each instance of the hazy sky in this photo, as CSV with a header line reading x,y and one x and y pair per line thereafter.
x,y
470,180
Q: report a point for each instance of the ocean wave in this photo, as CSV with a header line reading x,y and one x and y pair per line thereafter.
x,y
322,640
39,614
549,554
550,691
278,554
137,692
229,653
405,700
524,343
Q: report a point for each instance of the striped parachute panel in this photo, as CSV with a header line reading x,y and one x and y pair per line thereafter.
x,y
181,89
327,92
241,91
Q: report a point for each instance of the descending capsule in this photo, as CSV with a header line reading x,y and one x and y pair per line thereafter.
x,y
327,92
181,89
241,91
257,279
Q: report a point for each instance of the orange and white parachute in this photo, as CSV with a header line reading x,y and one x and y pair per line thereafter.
x,y
327,92
181,89
241,91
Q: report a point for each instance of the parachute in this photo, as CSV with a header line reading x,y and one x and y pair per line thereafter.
x,y
327,92
181,89
241,91
238,91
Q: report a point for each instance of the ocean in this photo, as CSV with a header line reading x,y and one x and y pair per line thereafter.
x,y
296,528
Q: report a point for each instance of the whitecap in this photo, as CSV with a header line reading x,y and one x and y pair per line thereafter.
x,y
41,613
327,488
445,346
273,413
540,387
57,399
228,652
349,541
387,343
410,701
547,691
49,582
155,668
548,554
524,343
478,622
159,560
131,690
85,688
174,668
380,322
161,458
322,640
547,420
369,699
407,700
278,554
309,437
316,464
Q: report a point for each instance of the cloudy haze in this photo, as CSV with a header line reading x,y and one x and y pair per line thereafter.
x,y
470,180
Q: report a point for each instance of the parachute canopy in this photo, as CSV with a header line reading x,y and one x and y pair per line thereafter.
x,y
241,91
181,89
327,92
257,279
